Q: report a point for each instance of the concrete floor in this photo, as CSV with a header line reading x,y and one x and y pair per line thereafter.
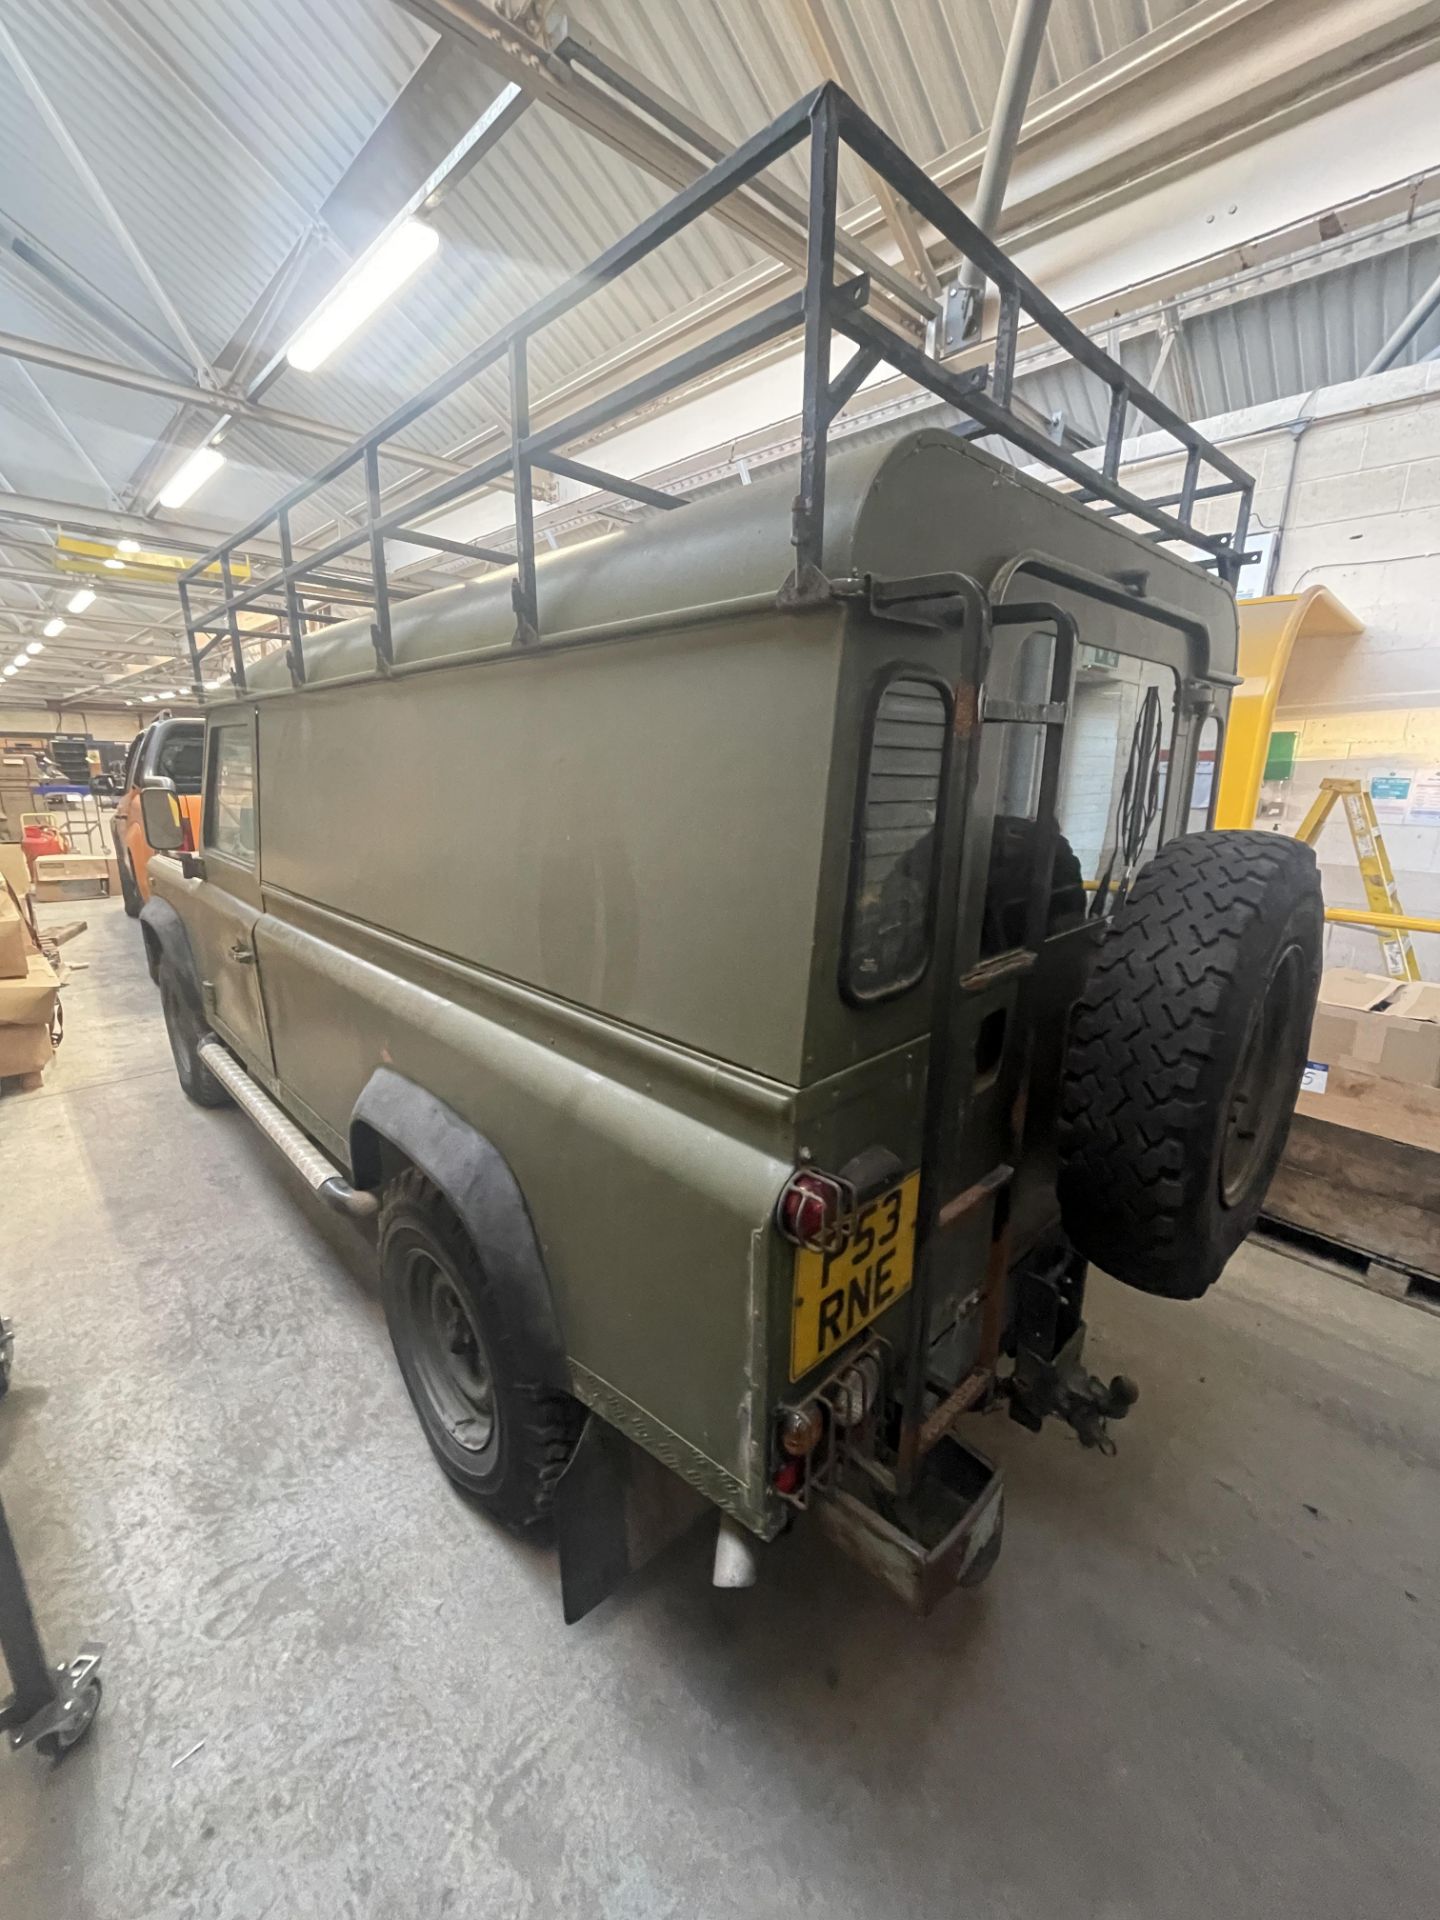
x,y
1202,1681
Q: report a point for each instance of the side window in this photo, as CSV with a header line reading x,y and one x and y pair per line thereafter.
x,y
1207,770
230,794
888,924
132,762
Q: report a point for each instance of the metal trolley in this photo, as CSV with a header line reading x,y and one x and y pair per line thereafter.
x,y
52,1707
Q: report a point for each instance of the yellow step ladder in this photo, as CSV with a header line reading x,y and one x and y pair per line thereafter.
x,y
1376,874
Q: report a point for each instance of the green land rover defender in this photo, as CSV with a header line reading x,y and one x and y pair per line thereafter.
x,y
816,954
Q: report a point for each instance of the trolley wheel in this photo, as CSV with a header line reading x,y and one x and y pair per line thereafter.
x,y
58,1742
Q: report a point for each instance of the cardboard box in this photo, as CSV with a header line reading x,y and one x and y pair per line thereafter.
x,y
14,939
1369,1023
72,876
26,1008
14,867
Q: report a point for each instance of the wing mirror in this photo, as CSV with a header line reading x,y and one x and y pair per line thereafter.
x,y
160,811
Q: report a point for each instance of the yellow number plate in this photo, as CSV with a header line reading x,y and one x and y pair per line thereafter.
x,y
836,1294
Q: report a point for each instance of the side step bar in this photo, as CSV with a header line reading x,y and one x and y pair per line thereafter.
x,y
314,1169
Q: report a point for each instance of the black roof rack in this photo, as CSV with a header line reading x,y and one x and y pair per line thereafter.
x,y
828,120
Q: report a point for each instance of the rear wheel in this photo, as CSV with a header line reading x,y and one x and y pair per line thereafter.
x,y
186,1028
1186,1052
467,1361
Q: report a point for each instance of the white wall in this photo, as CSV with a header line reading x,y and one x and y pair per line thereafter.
x,y
1358,493
33,723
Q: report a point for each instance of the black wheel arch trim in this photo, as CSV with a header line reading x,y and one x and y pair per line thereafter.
x,y
395,1121
166,939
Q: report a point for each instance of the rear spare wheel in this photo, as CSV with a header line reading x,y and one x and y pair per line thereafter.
x,y
1185,1056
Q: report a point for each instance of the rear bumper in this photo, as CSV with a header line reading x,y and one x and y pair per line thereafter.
x,y
942,1536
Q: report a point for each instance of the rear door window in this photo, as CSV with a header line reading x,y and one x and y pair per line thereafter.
x,y
180,757
1116,760
889,920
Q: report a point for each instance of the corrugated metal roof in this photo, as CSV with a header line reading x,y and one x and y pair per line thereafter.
x,y
220,128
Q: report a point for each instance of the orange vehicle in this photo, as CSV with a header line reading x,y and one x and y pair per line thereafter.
x,y
168,750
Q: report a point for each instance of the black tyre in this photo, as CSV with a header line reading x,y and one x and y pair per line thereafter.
x,y
1007,891
186,1027
1186,1051
467,1362
129,890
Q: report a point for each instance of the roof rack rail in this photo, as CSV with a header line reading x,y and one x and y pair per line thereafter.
x,y
294,594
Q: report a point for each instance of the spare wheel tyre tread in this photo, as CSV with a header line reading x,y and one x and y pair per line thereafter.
x,y
1156,1044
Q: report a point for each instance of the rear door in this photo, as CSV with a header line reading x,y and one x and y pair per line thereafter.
x,y
223,907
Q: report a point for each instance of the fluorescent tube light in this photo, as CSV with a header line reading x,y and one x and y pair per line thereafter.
x,y
187,478
36,646
127,546
78,602
52,627
376,276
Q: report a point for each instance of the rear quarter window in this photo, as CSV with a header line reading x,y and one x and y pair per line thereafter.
x,y
181,758
889,912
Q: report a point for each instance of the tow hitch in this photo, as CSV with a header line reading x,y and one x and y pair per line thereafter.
x,y
1048,1380
1063,1389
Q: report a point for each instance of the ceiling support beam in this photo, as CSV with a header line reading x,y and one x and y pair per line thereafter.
x,y
94,307
830,58
65,140
641,136
65,360
110,524
62,427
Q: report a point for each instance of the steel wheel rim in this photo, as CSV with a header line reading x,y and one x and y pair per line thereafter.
x,y
450,1356
1251,1126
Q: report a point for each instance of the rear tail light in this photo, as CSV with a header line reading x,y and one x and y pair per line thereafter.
x,y
801,1430
816,1210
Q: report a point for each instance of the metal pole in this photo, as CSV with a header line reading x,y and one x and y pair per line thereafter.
x,y
1022,51
808,535
31,1674
1407,329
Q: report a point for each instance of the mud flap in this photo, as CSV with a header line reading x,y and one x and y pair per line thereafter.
x,y
615,1508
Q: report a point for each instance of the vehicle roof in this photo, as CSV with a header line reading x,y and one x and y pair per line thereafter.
x,y
736,544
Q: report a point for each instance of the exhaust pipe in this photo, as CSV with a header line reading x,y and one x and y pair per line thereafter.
x,y
318,1173
736,1562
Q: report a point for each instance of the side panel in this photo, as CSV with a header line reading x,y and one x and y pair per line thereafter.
x,y
633,827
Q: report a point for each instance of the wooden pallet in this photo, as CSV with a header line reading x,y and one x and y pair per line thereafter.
x,y
1360,1203
1350,1263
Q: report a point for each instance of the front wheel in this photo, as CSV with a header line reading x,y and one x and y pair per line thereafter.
x,y
467,1361
186,1030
